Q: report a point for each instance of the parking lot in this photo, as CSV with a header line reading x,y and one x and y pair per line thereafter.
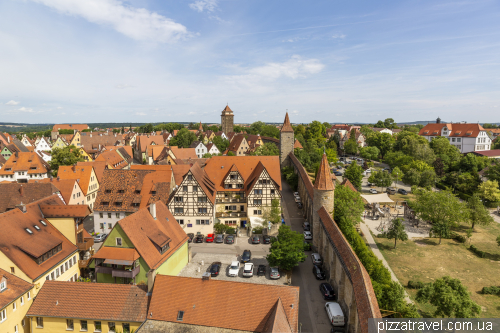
x,y
203,262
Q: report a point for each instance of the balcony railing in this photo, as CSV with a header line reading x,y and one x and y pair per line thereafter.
x,y
232,214
115,272
83,263
85,245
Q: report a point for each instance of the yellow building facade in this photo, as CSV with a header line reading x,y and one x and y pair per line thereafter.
x,y
13,315
57,325
59,143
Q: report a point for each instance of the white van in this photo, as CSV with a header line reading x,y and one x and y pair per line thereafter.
x,y
335,313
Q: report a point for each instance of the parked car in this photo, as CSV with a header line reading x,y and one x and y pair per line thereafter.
x,y
327,291
297,199
335,314
234,268
248,269
306,226
219,238
246,256
191,236
402,191
230,239
318,272
373,191
338,173
391,190
210,238
299,205
266,239
296,194
274,273
215,268
199,238
316,259
370,184
255,239
368,170
308,235
99,238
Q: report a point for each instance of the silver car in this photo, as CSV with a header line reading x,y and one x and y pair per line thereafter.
x,y
99,238
316,259
274,273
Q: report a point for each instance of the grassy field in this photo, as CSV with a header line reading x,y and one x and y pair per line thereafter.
x,y
424,260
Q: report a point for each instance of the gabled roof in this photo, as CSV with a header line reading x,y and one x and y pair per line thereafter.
x,y
12,194
297,144
98,166
20,146
99,301
142,230
183,153
22,248
277,322
287,127
324,178
92,142
31,163
456,130
16,287
204,181
216,166
78,127
82,173
227,111
113,159
259,303
143,141
117,253
236,142
65,186
179,171
347,183
74,211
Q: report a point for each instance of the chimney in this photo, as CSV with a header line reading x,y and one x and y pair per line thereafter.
x,y
22,207
152,210
21,190
90,133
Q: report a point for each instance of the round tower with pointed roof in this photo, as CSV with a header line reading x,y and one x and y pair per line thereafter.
x,y
227,120
324,190
286,141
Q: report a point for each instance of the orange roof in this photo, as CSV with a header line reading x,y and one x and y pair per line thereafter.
x,y
14,193
117,253
20,246
261,303
183,153
16,287
29,162
78,172
151,167
227,111
179,171
493,130
287,127
246,167
76,211
144,231
99,301
324,178
78,127
65,186
113,159
143,141
155,151
456,130
347,183
99,168
297,144
128,149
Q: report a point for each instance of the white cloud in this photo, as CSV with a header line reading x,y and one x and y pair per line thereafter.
x,y
11,102
296,67
123,86
339,36
59,107
23,109
137,23
141,114
202,5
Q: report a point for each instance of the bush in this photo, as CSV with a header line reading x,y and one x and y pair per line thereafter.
x,y
416,284
457,237
491,290
382,235
230,231
257,230
463,196
491,204
442,186
479,253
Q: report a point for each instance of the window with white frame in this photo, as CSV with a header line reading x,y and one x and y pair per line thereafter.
x,y
3,286
3,315
29,295
22,301
14,306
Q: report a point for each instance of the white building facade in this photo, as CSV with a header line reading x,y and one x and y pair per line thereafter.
x,y
466,137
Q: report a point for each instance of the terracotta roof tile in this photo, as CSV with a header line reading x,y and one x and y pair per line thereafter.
x,y
20,246
16,287
78,127
277,322
117,253
82,173
488,153
236,142
179,172
112,159
12,194
347,183
456,130
366,301
287,127
99,301
297,144
65,186
99,168
227,111
184,153
142,141
75,211
324,178
253,316
29,162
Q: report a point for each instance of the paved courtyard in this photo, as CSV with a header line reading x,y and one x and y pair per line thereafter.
x,y
201,263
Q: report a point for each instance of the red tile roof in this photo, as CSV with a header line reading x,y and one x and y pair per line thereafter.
x,y
365,299
16,287
78,127
143,141
227,111
180,171
20,246
29,162
99,301
297,144
75,211
456,130
287,127
324,177
99,168
117,253
13,193
259,302
183,153
65,186
112,159
488,153
347,183
82,173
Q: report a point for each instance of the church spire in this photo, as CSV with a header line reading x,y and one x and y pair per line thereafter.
x,y
287,127
324,178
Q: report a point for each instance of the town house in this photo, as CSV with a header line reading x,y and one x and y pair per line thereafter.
x,y
87,179
22,167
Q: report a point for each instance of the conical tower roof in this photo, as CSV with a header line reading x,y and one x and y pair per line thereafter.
x,y
287,127
227,110
324,178
201,127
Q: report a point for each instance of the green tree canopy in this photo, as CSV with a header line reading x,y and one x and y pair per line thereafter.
x,y
348,205
267,149
355,174
351,147
221,143
397,175
397,231
450,297
287,250
383,141
370,153
64,156
183,139
489,190
493,172
478,214
381,178
272,213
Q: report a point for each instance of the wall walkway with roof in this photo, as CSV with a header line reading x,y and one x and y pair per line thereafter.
x,y
344,270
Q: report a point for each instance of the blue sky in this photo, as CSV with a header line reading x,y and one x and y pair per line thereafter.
x,y
335,61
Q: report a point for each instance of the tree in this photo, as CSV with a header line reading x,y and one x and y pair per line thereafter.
x,y
397,175
183,139
331,155
348,205
370,153
287,250
438,167
351,147
489,191
493,172
355,174
267,149
450,297
272,213
315,131
498,240
389,123
397,231
380,178
383,141
478,214
64,156
207,155
331,143
442,209
231,154
221,143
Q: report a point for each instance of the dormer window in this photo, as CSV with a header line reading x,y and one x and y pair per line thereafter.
x,y
3,286
43,223
121,191
190,177
36,227
29,231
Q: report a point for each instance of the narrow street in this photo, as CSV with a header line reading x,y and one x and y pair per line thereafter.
x,y
312,314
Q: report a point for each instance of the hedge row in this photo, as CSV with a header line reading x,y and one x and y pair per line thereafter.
x,y
416,284
457,237
479,253
491,290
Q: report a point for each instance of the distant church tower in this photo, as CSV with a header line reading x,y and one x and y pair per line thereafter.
x,y
227,120
286,141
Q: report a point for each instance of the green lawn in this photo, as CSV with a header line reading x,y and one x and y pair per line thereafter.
x,y
424,260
